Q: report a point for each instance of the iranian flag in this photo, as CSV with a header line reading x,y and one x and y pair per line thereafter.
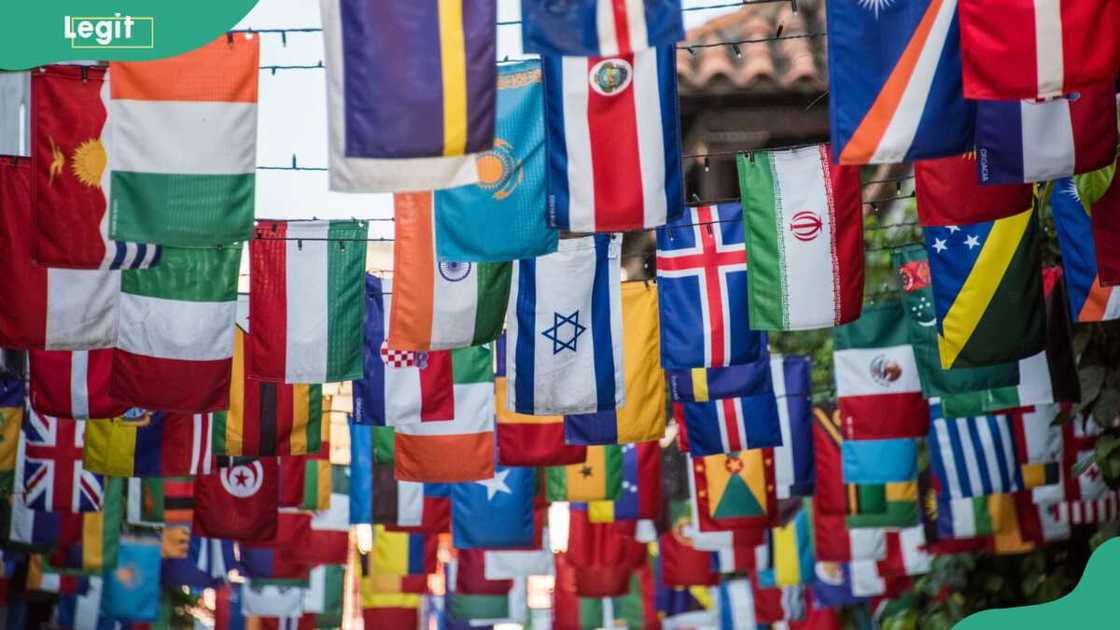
x,y
804,231
184,146
175,341
440,304
461,449
306,294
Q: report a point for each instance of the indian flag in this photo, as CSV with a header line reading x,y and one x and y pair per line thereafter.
x,y
175,340
804,231
306,293
440,304
461,449
185,145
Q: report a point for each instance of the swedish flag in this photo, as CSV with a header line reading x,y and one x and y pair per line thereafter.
x,y
987,290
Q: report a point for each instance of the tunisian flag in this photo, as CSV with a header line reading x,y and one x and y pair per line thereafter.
x,y
238,503
1021,49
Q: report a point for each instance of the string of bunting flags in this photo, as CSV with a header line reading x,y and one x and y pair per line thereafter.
x,y
514,404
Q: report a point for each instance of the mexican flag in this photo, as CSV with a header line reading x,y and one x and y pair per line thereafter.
x,y
802,215
306,295
440,304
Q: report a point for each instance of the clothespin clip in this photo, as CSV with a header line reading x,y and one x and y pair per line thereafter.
x,y
691,50
793,5
320,64
898,187
284,38
229,37
778,33
750,156
707,165
85,73
299,244
342,245
738,51
696,198
294,167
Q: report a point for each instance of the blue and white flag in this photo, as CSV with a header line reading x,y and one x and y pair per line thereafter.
x,y
793,460
731,425
599,28
206,565
736,605
131,591
496,513
361,473
973,456
564,328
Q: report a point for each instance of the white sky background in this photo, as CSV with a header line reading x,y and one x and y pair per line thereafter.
x,y
292,113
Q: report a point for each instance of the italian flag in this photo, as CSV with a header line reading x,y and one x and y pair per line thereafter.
x,y
306,294
184,145
440,304
422,449
804,230
175,340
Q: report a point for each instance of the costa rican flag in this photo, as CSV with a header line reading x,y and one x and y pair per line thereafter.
x,y
613,140
50,466
599,27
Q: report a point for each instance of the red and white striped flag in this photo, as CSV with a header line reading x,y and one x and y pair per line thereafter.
x,y
74,384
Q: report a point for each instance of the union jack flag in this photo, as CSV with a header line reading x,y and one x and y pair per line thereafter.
x,y
50,463
702,290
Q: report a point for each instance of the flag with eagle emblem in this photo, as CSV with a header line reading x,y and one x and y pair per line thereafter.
x,y
804,231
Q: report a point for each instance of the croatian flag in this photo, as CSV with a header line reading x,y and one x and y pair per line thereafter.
x,y
599,27
895,79
614,141
1029,141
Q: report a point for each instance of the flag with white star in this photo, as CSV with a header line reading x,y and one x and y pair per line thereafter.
x,y
987,290
495,513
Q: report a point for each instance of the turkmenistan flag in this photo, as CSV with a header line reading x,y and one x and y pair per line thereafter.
x,y
987,290
912,266
184,145
598,478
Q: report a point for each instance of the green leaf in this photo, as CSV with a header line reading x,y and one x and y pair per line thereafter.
x,y
1093,185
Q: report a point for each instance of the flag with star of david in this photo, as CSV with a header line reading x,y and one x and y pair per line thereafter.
x,y
495,513
564,327
987,290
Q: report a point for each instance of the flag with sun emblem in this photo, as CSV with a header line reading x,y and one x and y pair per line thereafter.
x,y
564,325
502,217
733,490
804,232
950,193
894,73
440,304
987,290
71,135
614,141
184,147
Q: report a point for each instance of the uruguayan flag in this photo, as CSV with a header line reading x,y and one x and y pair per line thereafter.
x,y
564,326
973,456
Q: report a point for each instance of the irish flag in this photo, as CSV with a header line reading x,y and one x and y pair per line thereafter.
x,y
184,145
306,294
175,340
440,304
804,231
461,449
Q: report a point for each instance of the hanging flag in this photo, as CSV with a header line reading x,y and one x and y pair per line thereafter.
x,y
422,448
706,384
56,309
266,418
305,293
97,542
274,560
390,610
161,500
736,605
682,565
556,299
161,193
639,495
973,456
877,384
1106,220
981,273
879,461
702,290
71,137
359,174
793,460
792,550
11,423
399,561
502,216
206,564
734,490
409,506
804,229
264,599
599,28
1037,141
1089,299
471,595
328,540
49,470
495,513
439,103
323,598
174,351
239,502
525,440
614,141
950,193
440,304
361,474
515,563
131,590
909,106
1037,49
597,478
74,384
146,444
604,555
642,415
912,266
